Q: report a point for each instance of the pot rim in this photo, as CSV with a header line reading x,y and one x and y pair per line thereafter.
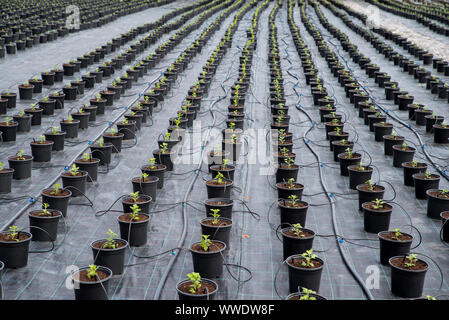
x,y
107,249
208,252
413,271
230,202
395,241
44,217
293,208
304,269
133,222
218,226
53,196
100,268
30,236
196,295
304,229
297,294
435,190
155,180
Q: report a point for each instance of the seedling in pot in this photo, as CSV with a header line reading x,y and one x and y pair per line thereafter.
x,y
87,156
152,163
297,230
370,185
134,215
306,294
291,183
216,215
56,188
289,161
308,257
74,170
205,242
110,242
378,204
219,178
44,211
13,233
412,258
164,147
20,155
92,272
134,196
397,234
195,279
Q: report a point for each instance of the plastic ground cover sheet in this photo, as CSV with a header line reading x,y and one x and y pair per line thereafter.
x,y
254,244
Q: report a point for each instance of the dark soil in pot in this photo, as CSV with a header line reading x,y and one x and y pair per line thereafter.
x,y
227,171
206,291
445,228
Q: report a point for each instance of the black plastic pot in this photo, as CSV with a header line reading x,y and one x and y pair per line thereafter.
x,y
400,155
9,131
368,195
409,171
22,168
134,232
82,118
128,129
113,259
208,264
97,290
57,202
285,192
357,176
219,191
389,143
346,162
390,248
6,180
292,244
436,205
48,107
223,204
293,215
104,153
422,184
189,296
58,140
76,184
116,140
441,134
158,172
309,278
376,221
147,187
36,116
91,167
23,123
406,283
70,128
285,173
47,223
220,232
445,228
14,254
41,151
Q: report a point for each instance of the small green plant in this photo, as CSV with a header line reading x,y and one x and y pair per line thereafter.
x,y
216,215
195,279
56,188
152,163
134,196
291,183
293,199
205,242
20,155
164,147
110,241
134,215
7,121
101,142
13,233
44,211
370,185
42,139
144,175
92,271
2,166
306,294
397,234
74,170
308,257
86,156
427,175
297,230
219,178
378,204
412,258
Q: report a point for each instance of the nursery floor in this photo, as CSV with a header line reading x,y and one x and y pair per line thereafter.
x,y
253,244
